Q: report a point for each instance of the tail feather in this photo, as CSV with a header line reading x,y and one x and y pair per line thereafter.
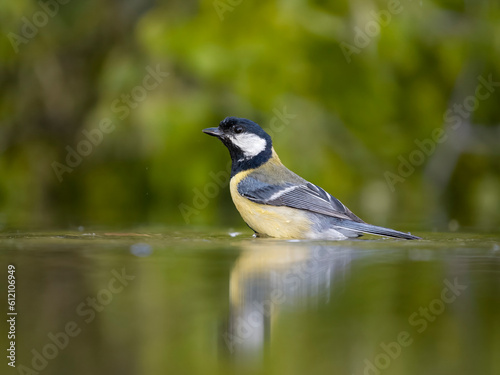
x,y
373,229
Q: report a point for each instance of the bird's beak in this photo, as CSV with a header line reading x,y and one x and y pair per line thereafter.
x,y
215,132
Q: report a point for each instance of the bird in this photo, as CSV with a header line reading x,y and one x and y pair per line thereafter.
x,y
276,202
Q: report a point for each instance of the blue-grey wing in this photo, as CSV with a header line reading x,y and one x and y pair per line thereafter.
x,y
305,196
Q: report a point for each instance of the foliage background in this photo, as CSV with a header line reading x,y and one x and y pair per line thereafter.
x,y
353,120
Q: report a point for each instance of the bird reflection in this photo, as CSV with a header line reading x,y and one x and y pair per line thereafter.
x,y
271,276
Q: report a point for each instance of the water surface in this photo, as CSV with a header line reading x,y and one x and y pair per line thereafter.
x,y
194,302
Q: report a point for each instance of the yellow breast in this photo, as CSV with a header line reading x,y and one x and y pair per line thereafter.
x,y
273,221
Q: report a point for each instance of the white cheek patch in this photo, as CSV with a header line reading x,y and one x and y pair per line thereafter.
x,y
251,144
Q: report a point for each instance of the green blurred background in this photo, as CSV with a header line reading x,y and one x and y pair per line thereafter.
x,y
348,89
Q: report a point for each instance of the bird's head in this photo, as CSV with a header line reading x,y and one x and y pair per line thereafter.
x,y
248,144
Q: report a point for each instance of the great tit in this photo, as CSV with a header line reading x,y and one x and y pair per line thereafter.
x,y
276,202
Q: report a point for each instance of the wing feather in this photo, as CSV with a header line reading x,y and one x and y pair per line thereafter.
x,y
305,196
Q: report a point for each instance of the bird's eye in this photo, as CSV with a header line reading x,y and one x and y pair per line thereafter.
x,y
238,129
